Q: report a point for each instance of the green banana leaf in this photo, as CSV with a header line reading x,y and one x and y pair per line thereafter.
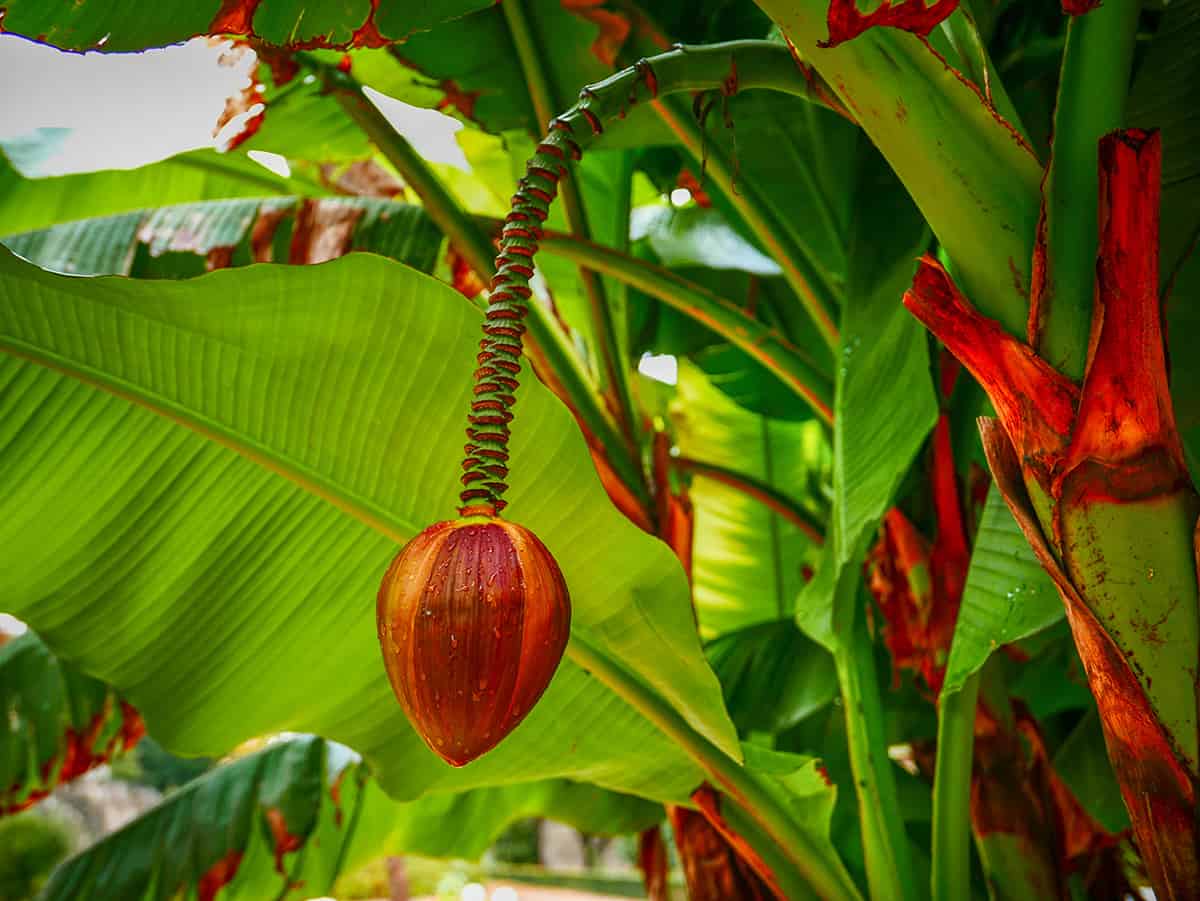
x,y
747,561
772,674
27,204
1008,595
96,25
55,722
885,404
287,821
179,241
202,577
883,367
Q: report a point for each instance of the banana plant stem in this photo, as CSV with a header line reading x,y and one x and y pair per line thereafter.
x,y
814,865
802,277
885,844
902,92
614,368
762,343
548,344
1091,102
950,878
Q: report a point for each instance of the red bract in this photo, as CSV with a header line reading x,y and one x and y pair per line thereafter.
x,y
717,863
473,619
919,586
1096,479
1126,411
1035,402
846,22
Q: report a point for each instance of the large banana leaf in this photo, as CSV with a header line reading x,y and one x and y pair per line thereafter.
x,y
55,722
97,25
185,239
773,675
748,561
27,204
286,821
1008,595
488,86
226,586
885,405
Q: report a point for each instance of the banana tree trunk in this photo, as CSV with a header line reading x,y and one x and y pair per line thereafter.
x,y
1095,477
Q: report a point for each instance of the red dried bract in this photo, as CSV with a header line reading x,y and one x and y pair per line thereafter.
x,y
1034,401
219,875
1125,412
464,279
847,22
473,619
714,871
687,180
614,27
652,861
1157,788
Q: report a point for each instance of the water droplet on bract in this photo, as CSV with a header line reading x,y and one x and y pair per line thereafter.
x,y
482,684
424,677
1150,573
453,641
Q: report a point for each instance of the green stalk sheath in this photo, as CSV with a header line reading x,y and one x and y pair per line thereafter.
x,y
970,172
807,283
810,864
1091,103
885,844
724,317
686,69
471,241
613,365
951,874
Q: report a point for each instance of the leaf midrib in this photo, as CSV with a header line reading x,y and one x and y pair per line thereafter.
x,y
351,503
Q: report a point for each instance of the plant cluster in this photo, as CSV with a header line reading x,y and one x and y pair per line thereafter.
x,y
888,591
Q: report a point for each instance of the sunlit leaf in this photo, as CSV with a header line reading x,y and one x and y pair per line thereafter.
x,y
95,25
184,546
1008,595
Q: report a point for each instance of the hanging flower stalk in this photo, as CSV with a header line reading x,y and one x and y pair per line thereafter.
x,y
1095,476
473,614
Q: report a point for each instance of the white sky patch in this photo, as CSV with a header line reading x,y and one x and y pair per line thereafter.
x,y
680,197
122,109
660,367
272,161
10,625
431,133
